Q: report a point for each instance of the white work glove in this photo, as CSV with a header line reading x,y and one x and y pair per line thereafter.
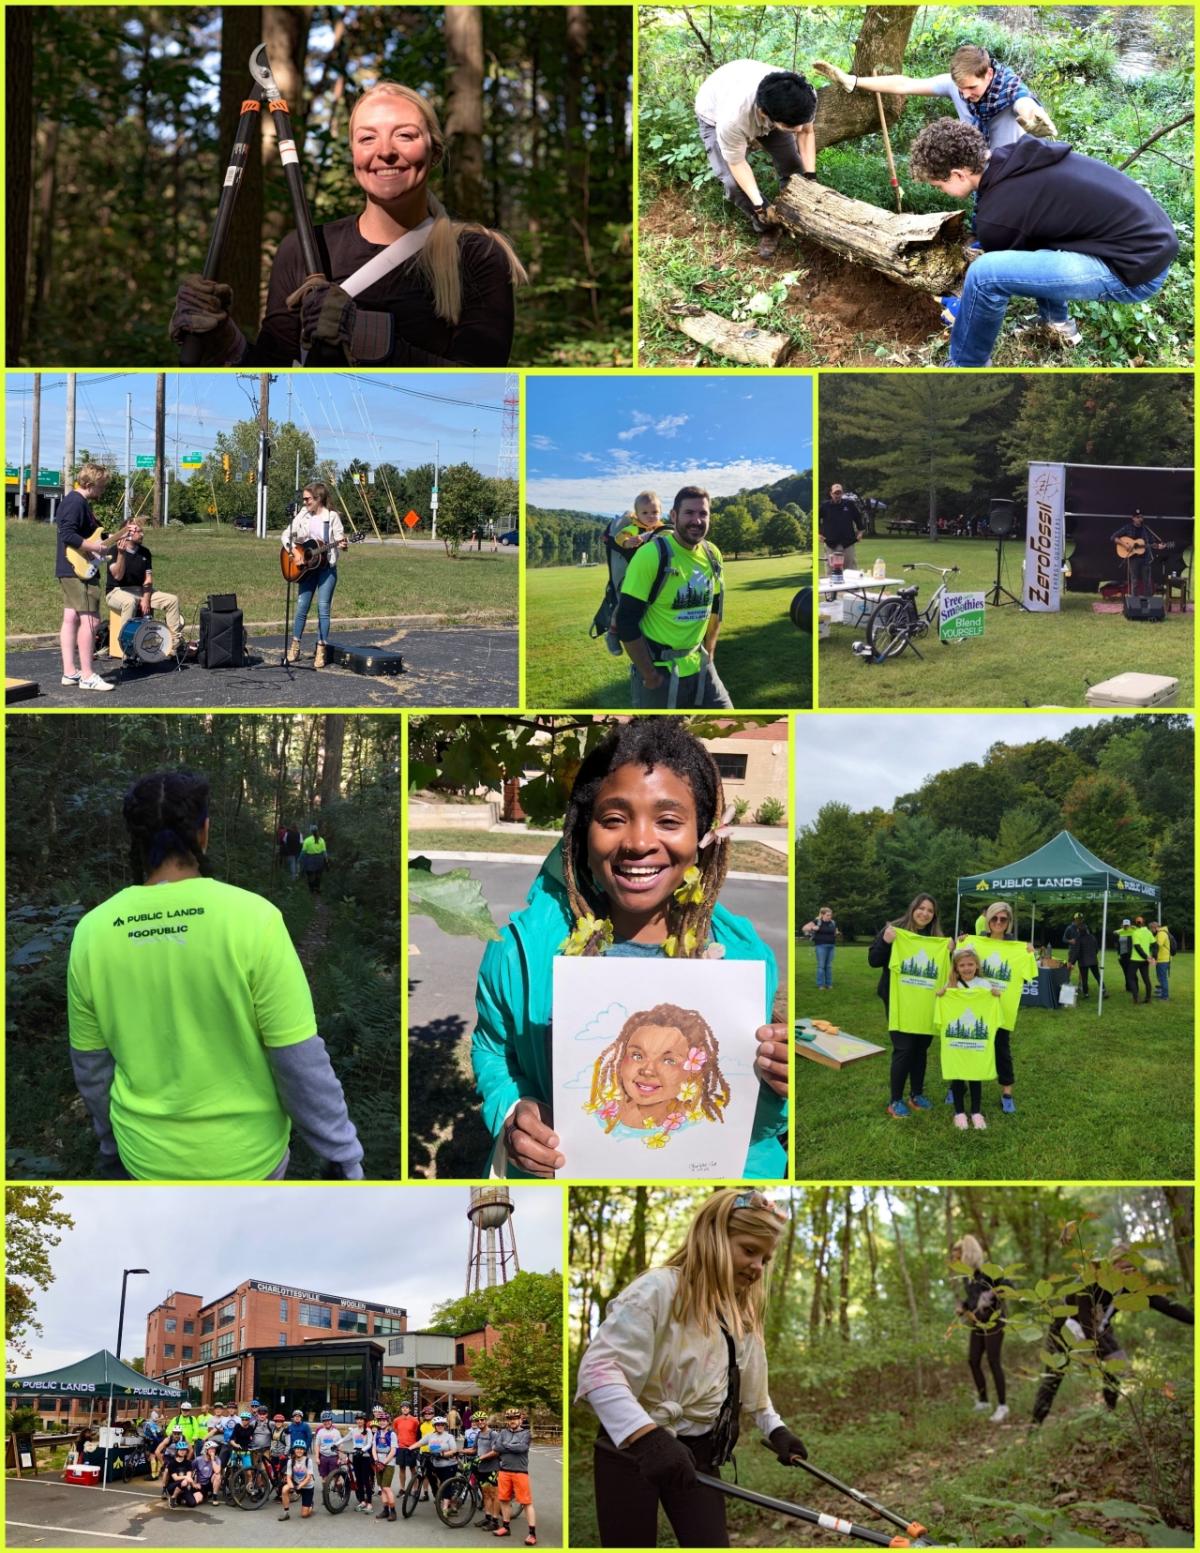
x,y
1033,117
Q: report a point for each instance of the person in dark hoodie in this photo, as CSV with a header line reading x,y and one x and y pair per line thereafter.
x,y
910,1050
1053,224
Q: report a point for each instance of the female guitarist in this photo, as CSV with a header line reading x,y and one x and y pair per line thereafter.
x,y
311,542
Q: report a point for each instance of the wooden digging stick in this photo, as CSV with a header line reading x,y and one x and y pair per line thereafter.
x,y
887,146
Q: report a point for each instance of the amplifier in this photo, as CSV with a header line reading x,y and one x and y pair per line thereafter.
x,y
1142,607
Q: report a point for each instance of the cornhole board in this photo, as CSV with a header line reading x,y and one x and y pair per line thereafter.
x,y
831,1051
20,690
1135,690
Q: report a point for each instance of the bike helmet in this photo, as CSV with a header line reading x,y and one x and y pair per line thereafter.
x,y
299,1446
377,1411
245,1413
297,1413
279,1419
210,1445
181,1448
326,1417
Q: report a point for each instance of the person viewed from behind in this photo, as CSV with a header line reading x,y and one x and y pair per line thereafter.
x,y
1085,953
982,1312
1164,946
203,1074
744,105
513,1481
79,577
314,858
293,845
445,300
1125,956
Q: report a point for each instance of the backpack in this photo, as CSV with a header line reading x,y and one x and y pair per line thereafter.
x,y
612,593
1173,941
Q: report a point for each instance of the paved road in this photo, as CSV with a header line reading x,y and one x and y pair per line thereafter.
x,y
45,1512
451,667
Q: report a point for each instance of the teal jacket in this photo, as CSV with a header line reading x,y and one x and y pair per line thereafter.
x,y
510,1049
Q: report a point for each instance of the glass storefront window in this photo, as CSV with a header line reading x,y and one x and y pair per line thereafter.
x,y
225,1385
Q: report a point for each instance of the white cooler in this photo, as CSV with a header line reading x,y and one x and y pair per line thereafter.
x,y
1135,690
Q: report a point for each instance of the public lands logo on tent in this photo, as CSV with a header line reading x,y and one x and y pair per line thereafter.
x,y
967,1030
918,971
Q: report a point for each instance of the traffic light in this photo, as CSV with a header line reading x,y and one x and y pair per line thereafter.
x,y
227,466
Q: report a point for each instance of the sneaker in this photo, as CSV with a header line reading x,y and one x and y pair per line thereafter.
x,y
72,679
1066,333
382,1516
919,1103
949,307
999,1415
949,1097
960,1121
286,1516
94,682
1007,1104
898,1109
982,1406
978,1121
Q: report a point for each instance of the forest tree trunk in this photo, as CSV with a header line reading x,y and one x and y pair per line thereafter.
x,y
879,50
924,252
844,1270
18,122
241,260
578,191
909,1291
464,110
1179,1201
333,735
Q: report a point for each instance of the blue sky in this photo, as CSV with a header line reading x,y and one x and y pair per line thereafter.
x,y
394,420
593,443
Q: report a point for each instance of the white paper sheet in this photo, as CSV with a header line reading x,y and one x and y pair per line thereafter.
x,y
672,1097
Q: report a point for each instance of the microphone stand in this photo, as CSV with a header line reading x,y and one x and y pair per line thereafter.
x,y
297,503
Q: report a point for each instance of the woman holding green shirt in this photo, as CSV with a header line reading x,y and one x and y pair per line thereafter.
x,y
193,1036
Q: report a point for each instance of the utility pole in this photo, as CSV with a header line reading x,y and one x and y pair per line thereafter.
x,y
264,451
21,474
128,456
35,452
69,440
160,439
433,500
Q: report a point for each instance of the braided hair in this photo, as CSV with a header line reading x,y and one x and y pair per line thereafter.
x,y
164,815
698,1036
649,742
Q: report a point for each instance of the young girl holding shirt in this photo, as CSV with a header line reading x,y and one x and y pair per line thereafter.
x,y
965,976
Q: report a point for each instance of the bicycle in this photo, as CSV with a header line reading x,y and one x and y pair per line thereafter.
x,y
894,623
420,1478
461,1496
250,1485
338,1488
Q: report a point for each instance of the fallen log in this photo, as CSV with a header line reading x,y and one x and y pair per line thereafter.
x,y
746,344
925,252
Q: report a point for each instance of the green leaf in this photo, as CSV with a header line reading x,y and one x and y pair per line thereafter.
x,y
1132,1302
454,900
992,1269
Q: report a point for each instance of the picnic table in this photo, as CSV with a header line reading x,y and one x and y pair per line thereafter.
x,y
902,526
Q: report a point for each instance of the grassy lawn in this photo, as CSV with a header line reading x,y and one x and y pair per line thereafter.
x,y
763,659
1097,1099
194,561
1022,659
747,857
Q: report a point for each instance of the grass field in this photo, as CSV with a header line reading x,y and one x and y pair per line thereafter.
x,y
194,561
764,661
1022,659
1097,1099
746,856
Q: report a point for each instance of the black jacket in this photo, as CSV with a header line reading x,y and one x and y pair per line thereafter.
x,y
1041,194
983,1305
839,523
879,955
1094,1309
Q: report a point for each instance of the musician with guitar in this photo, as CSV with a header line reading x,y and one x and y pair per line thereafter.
x,y
1137,545
130,583
311,542
81,546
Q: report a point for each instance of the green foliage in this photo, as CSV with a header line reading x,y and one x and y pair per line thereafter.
x,y
454,900
523,1367
533,1296
770,812
33,1226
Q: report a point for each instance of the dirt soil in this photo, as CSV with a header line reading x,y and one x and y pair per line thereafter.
x,y
848,310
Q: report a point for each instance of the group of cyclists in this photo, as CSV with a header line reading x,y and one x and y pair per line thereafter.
x,y
196,1451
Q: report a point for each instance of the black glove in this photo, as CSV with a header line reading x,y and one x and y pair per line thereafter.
x,y
785,1444
664,1462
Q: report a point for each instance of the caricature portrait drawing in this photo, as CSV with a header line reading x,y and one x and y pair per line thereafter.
x,y
660,1075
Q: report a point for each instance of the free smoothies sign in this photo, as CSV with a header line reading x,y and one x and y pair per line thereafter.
x,y
961,616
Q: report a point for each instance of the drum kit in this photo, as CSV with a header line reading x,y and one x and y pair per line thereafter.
x,y
145,642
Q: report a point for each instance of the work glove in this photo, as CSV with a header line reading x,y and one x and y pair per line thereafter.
x,y
841,78
664,1462
327,315
202,308
785,1444
768,215
1034,118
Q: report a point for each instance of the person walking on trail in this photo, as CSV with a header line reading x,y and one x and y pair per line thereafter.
x,y
982,1312
291,847
670,611
234,1060
78,577
1090,1329
314,858
679,1354
744,105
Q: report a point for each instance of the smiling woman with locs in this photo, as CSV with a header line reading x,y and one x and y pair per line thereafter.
x,y
446,300
637,875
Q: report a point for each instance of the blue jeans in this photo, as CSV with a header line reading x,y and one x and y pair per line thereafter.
x,y
322,582
824,964
1049,275
1163,972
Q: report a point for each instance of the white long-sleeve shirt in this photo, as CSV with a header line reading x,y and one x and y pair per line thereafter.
x,y
323,525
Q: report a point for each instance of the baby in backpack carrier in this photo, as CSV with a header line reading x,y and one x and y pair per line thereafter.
x,y
623,537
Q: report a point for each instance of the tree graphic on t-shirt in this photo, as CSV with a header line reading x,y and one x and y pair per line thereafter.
x,y
696,594
919,965
967,1027
996,970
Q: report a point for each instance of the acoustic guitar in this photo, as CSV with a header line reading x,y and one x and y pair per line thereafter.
x,y
306,555
1128,546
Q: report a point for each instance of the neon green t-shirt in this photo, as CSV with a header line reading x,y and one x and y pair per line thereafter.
x,y
1143,939
1006,963
981,923
678,617
187,984
313,845
967,1018
917,968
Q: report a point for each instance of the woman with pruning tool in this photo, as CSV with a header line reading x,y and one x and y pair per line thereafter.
x,y
399,284
678,1355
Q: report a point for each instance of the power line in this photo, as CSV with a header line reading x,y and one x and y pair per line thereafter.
x,y
415,393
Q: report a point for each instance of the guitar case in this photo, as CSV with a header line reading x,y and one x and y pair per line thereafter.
x,y
366,660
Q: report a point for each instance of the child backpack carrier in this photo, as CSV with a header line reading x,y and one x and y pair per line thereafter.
x,y
618,565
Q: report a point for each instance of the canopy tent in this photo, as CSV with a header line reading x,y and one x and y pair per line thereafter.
x,y
1061,870
100,1375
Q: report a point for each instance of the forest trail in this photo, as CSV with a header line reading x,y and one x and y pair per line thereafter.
x,y
315,942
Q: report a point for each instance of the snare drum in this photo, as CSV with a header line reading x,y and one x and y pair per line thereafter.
x,y
145,641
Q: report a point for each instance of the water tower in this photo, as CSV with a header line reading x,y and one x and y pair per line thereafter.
x,y
493,1240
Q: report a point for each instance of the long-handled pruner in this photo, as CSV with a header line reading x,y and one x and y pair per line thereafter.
x,y
912,1528
260,69
799,1512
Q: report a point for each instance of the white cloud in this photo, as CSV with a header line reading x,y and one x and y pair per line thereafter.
x,y
611,490
542,443
670,424
588,458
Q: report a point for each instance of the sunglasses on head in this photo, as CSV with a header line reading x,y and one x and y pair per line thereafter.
x,y
762,1201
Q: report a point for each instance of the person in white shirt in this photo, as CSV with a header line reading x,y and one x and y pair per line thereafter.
x,y
746,104
317,535
679,1352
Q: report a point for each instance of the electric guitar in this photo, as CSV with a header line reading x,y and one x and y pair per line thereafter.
x,y
1128,546
85,564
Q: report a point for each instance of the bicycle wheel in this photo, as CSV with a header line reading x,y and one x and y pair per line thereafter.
x,y
801,610
250,1487
889,628
411,1497
337,1490
455,1503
